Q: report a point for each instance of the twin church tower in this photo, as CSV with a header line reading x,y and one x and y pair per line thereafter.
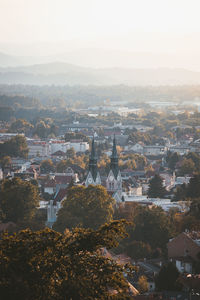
x,y
113,181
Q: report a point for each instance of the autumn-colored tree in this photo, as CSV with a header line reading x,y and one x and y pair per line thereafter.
x,y
47,265
21,126
86,207
143,284
71,153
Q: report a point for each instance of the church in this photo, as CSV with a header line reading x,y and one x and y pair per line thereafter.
x,y
114,180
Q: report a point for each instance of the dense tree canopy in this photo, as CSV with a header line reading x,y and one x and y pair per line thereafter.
x,y
16,147
86,207
18,200
47,265
156,188
152,226
167,278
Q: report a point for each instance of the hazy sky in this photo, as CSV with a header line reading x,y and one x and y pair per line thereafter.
x,y
56,20
166,26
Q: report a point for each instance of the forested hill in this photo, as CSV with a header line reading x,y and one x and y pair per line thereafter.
x,y
59,73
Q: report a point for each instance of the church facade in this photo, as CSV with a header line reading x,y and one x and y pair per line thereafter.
x,y
113,180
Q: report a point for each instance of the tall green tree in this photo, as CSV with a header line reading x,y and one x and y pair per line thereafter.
x,y
172,159
18,200
47,265
166,279
193,189
156,188
86,207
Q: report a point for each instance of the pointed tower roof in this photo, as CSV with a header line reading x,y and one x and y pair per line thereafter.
x,y
114,149
93,152
114,159
93,161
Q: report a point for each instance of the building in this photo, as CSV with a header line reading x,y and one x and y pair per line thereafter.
x,y
38,148
93,176
184,249
113,181
154,150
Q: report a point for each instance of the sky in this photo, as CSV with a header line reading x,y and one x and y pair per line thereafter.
x,y
159,26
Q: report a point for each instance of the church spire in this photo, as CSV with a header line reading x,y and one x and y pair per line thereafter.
x,y
93,161
114,159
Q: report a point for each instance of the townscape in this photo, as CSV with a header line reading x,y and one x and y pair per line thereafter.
x,y
142,164
99,150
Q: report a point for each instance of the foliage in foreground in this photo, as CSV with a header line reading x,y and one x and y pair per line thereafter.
x,y
46,265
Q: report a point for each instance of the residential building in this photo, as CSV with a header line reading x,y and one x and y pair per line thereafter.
x,y
183,250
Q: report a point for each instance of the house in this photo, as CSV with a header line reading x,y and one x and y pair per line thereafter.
x,y
54,206
50,186
38,148
180,149
136,148
183,250
154,150
59,154
132,187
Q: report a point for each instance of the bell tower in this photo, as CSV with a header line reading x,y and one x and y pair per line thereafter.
x,y
114,180
93,176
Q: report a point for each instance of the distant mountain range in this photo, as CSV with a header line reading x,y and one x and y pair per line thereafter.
x,y
61,73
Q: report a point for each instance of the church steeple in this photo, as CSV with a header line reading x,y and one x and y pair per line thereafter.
x,y
93,161
114,159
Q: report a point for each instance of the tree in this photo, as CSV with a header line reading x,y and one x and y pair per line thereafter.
x,y
166,279
16,146
172,159
143,286
21,126
193,190
5,162
195,158
18,200
138,250
47,265
180,193
86,207
61,166
71,153
187,166
156,188
42,130
47,166
152,226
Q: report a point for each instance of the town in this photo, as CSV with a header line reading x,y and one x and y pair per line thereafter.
x,y
146,161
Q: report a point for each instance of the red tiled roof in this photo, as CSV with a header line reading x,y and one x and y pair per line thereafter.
x,y
61,195
50,183
63,179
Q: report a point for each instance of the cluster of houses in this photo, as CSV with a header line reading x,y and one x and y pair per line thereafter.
x,y
127,187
